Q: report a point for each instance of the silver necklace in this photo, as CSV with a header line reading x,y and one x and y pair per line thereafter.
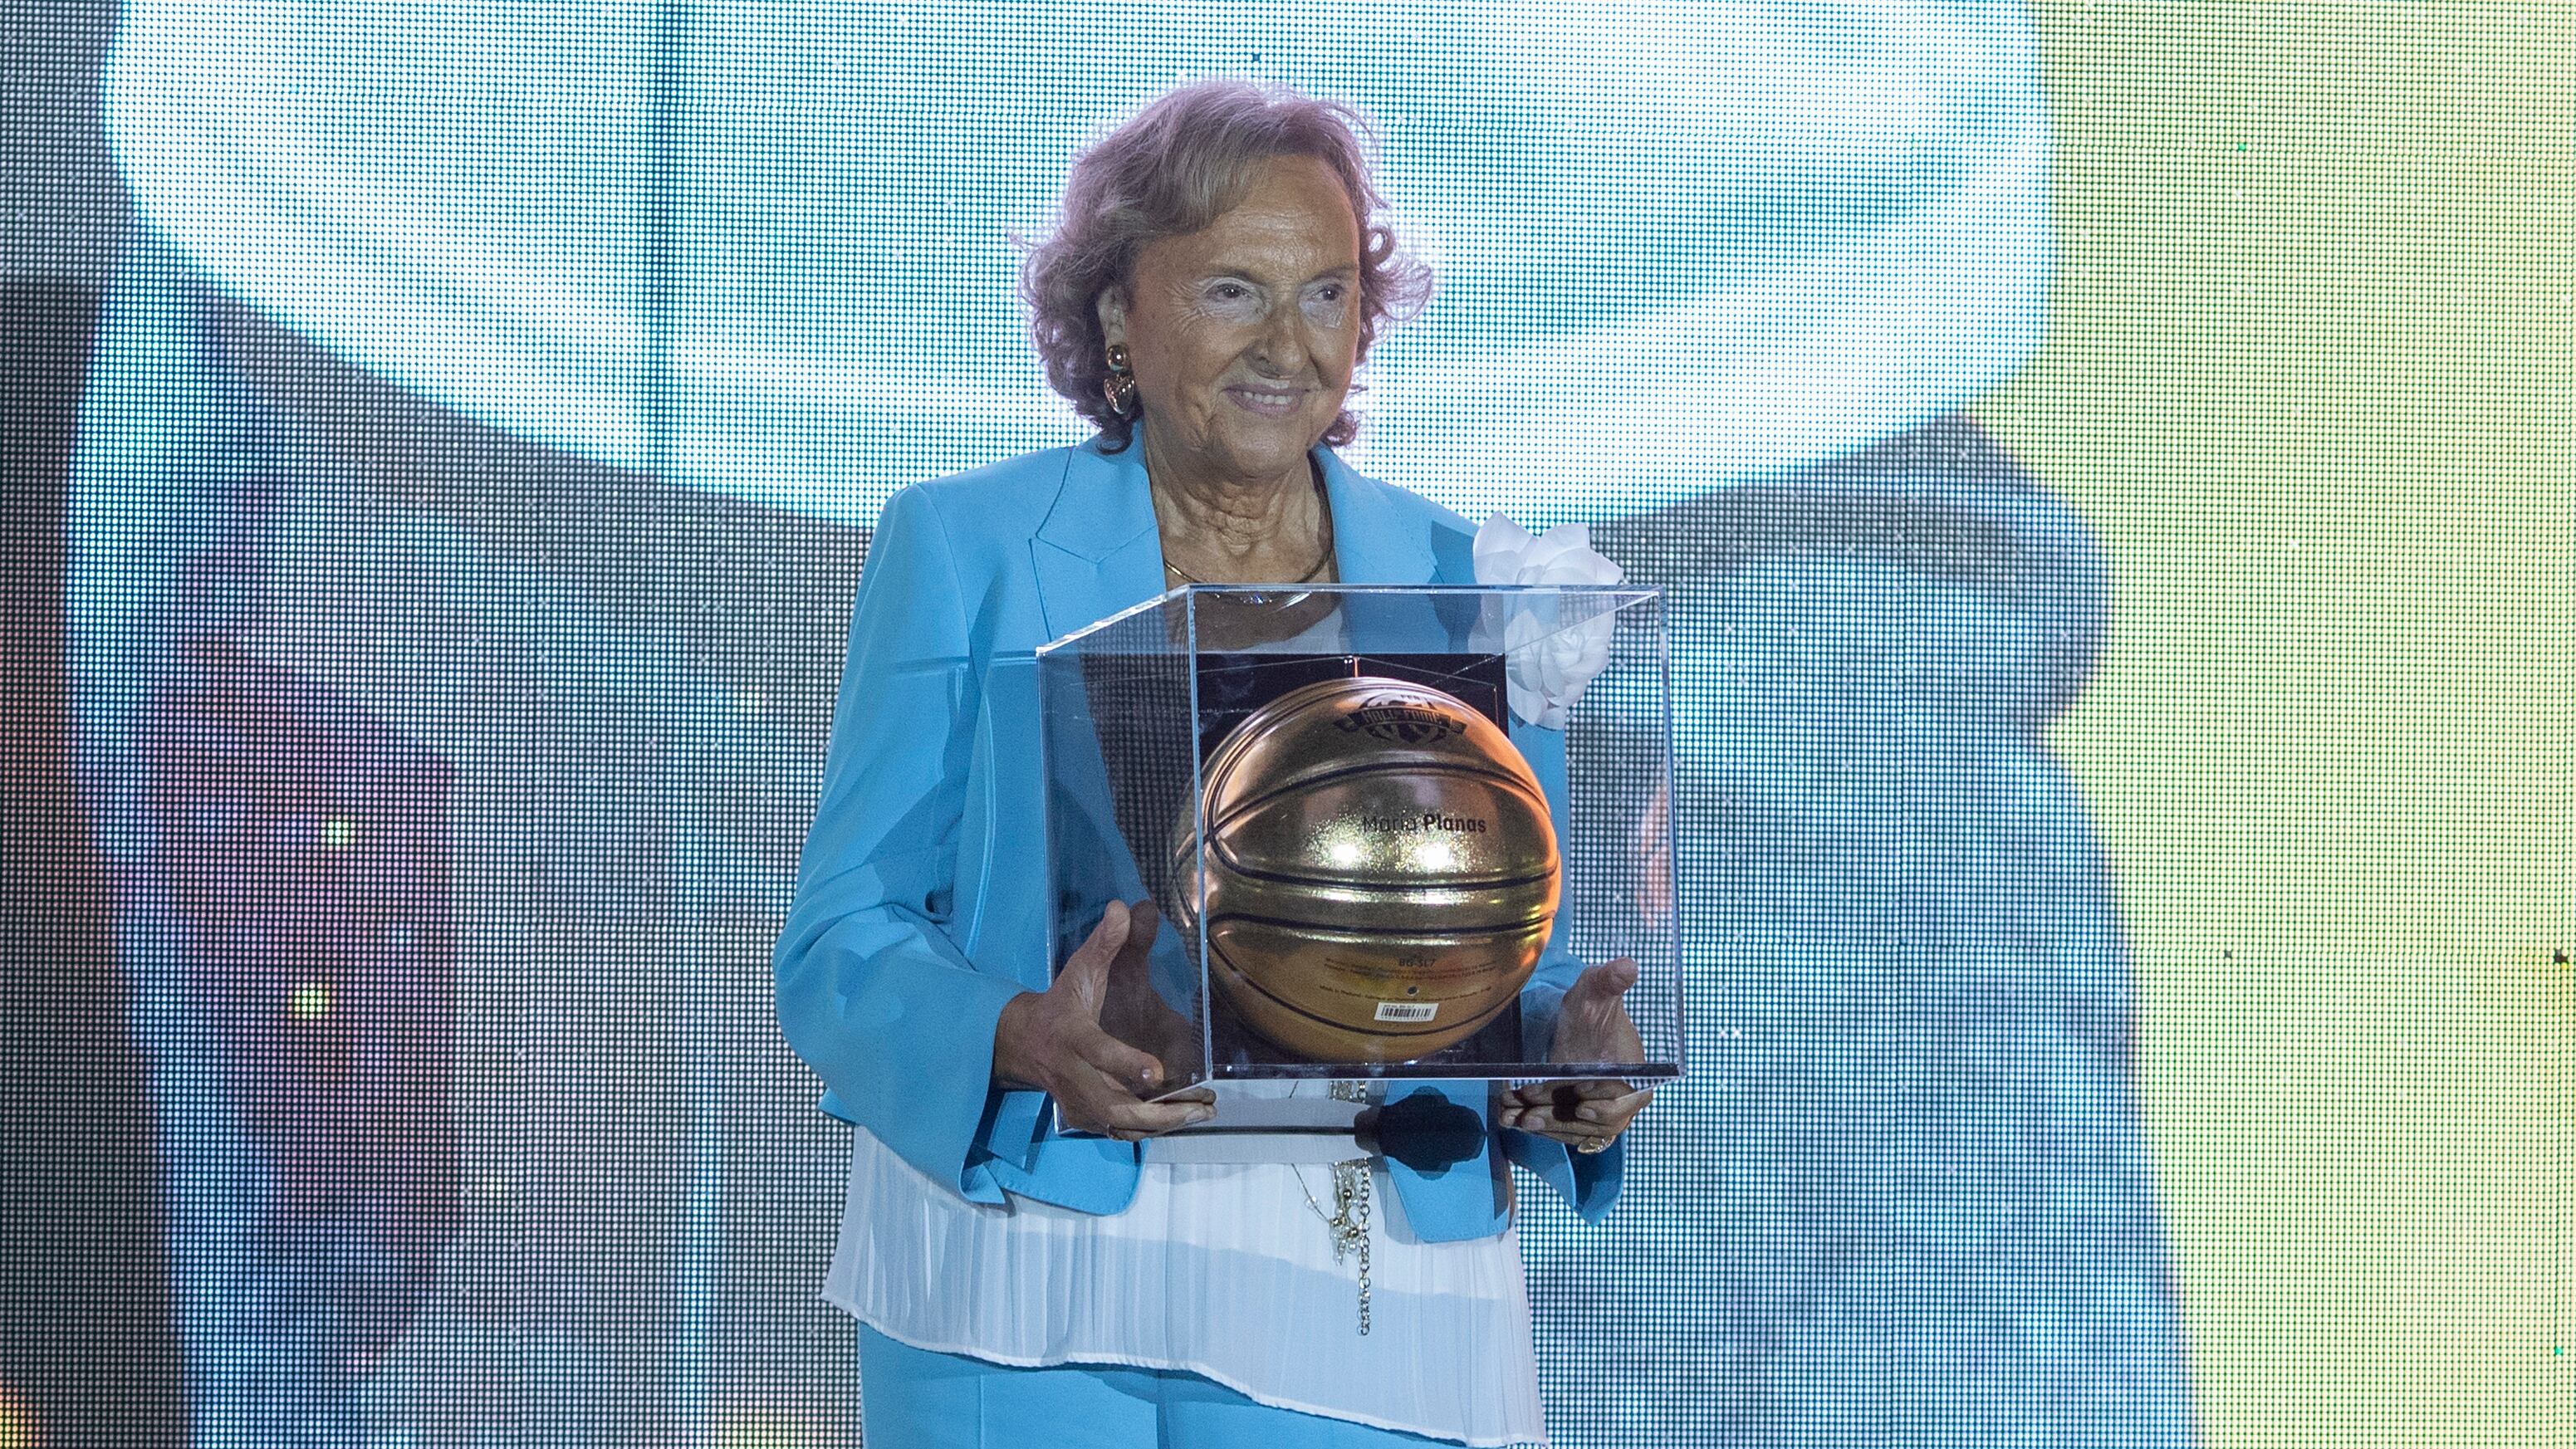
x,y
1348,1222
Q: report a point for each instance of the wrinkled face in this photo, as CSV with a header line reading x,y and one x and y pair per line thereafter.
x,y
1243,335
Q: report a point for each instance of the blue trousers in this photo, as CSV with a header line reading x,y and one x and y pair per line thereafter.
x,y
911,1398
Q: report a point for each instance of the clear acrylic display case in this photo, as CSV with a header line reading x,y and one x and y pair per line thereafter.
x,y
1360,854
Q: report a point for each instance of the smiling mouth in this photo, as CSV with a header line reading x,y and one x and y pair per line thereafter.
x,y
1268,402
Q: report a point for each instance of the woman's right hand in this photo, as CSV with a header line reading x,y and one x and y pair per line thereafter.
x,y
1052,1039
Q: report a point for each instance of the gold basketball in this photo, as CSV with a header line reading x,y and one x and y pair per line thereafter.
x,y
1380,870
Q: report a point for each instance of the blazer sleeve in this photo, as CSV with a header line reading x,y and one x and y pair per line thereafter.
x,y
872,992
1589,1181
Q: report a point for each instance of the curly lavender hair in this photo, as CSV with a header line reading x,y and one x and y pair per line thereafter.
x,y
1173,170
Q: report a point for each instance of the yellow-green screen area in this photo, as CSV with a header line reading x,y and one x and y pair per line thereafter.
x,y
2308,374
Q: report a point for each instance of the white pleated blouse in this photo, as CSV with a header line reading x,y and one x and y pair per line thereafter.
x,y
1221,1269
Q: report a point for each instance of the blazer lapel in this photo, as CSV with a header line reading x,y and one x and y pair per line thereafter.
x,y
1097,552
1373,542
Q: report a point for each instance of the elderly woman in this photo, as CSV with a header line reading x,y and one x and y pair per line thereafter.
x,y
1221,269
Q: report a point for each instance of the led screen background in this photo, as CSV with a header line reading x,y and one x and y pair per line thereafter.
x,y
479,421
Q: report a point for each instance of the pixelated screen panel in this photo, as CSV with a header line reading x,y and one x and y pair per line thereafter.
x,y
2105,476
768,249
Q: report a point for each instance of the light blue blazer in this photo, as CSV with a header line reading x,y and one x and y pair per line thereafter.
x,y
921,903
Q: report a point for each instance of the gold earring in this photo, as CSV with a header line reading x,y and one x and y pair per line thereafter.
x,y
1119,387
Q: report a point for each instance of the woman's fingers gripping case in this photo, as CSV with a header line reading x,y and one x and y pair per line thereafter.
x,y
1085,976
1099,1080
1592,1026
1134,1012
1585,1115
1593,1023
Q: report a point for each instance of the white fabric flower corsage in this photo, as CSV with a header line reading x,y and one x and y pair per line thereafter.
x,y
1546,662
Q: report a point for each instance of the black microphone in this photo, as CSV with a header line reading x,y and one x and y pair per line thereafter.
x,y
1426,1132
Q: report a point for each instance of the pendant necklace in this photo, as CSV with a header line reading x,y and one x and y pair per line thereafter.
x,y
1349,1220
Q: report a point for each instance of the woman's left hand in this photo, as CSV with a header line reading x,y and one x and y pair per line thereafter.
x,y
1591,1026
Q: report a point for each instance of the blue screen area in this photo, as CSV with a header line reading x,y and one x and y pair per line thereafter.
x,y
484,427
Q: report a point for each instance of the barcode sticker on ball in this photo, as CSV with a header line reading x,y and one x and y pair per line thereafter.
x,y
1407,1010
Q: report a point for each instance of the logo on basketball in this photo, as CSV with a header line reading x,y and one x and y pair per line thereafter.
x,y
1400,722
